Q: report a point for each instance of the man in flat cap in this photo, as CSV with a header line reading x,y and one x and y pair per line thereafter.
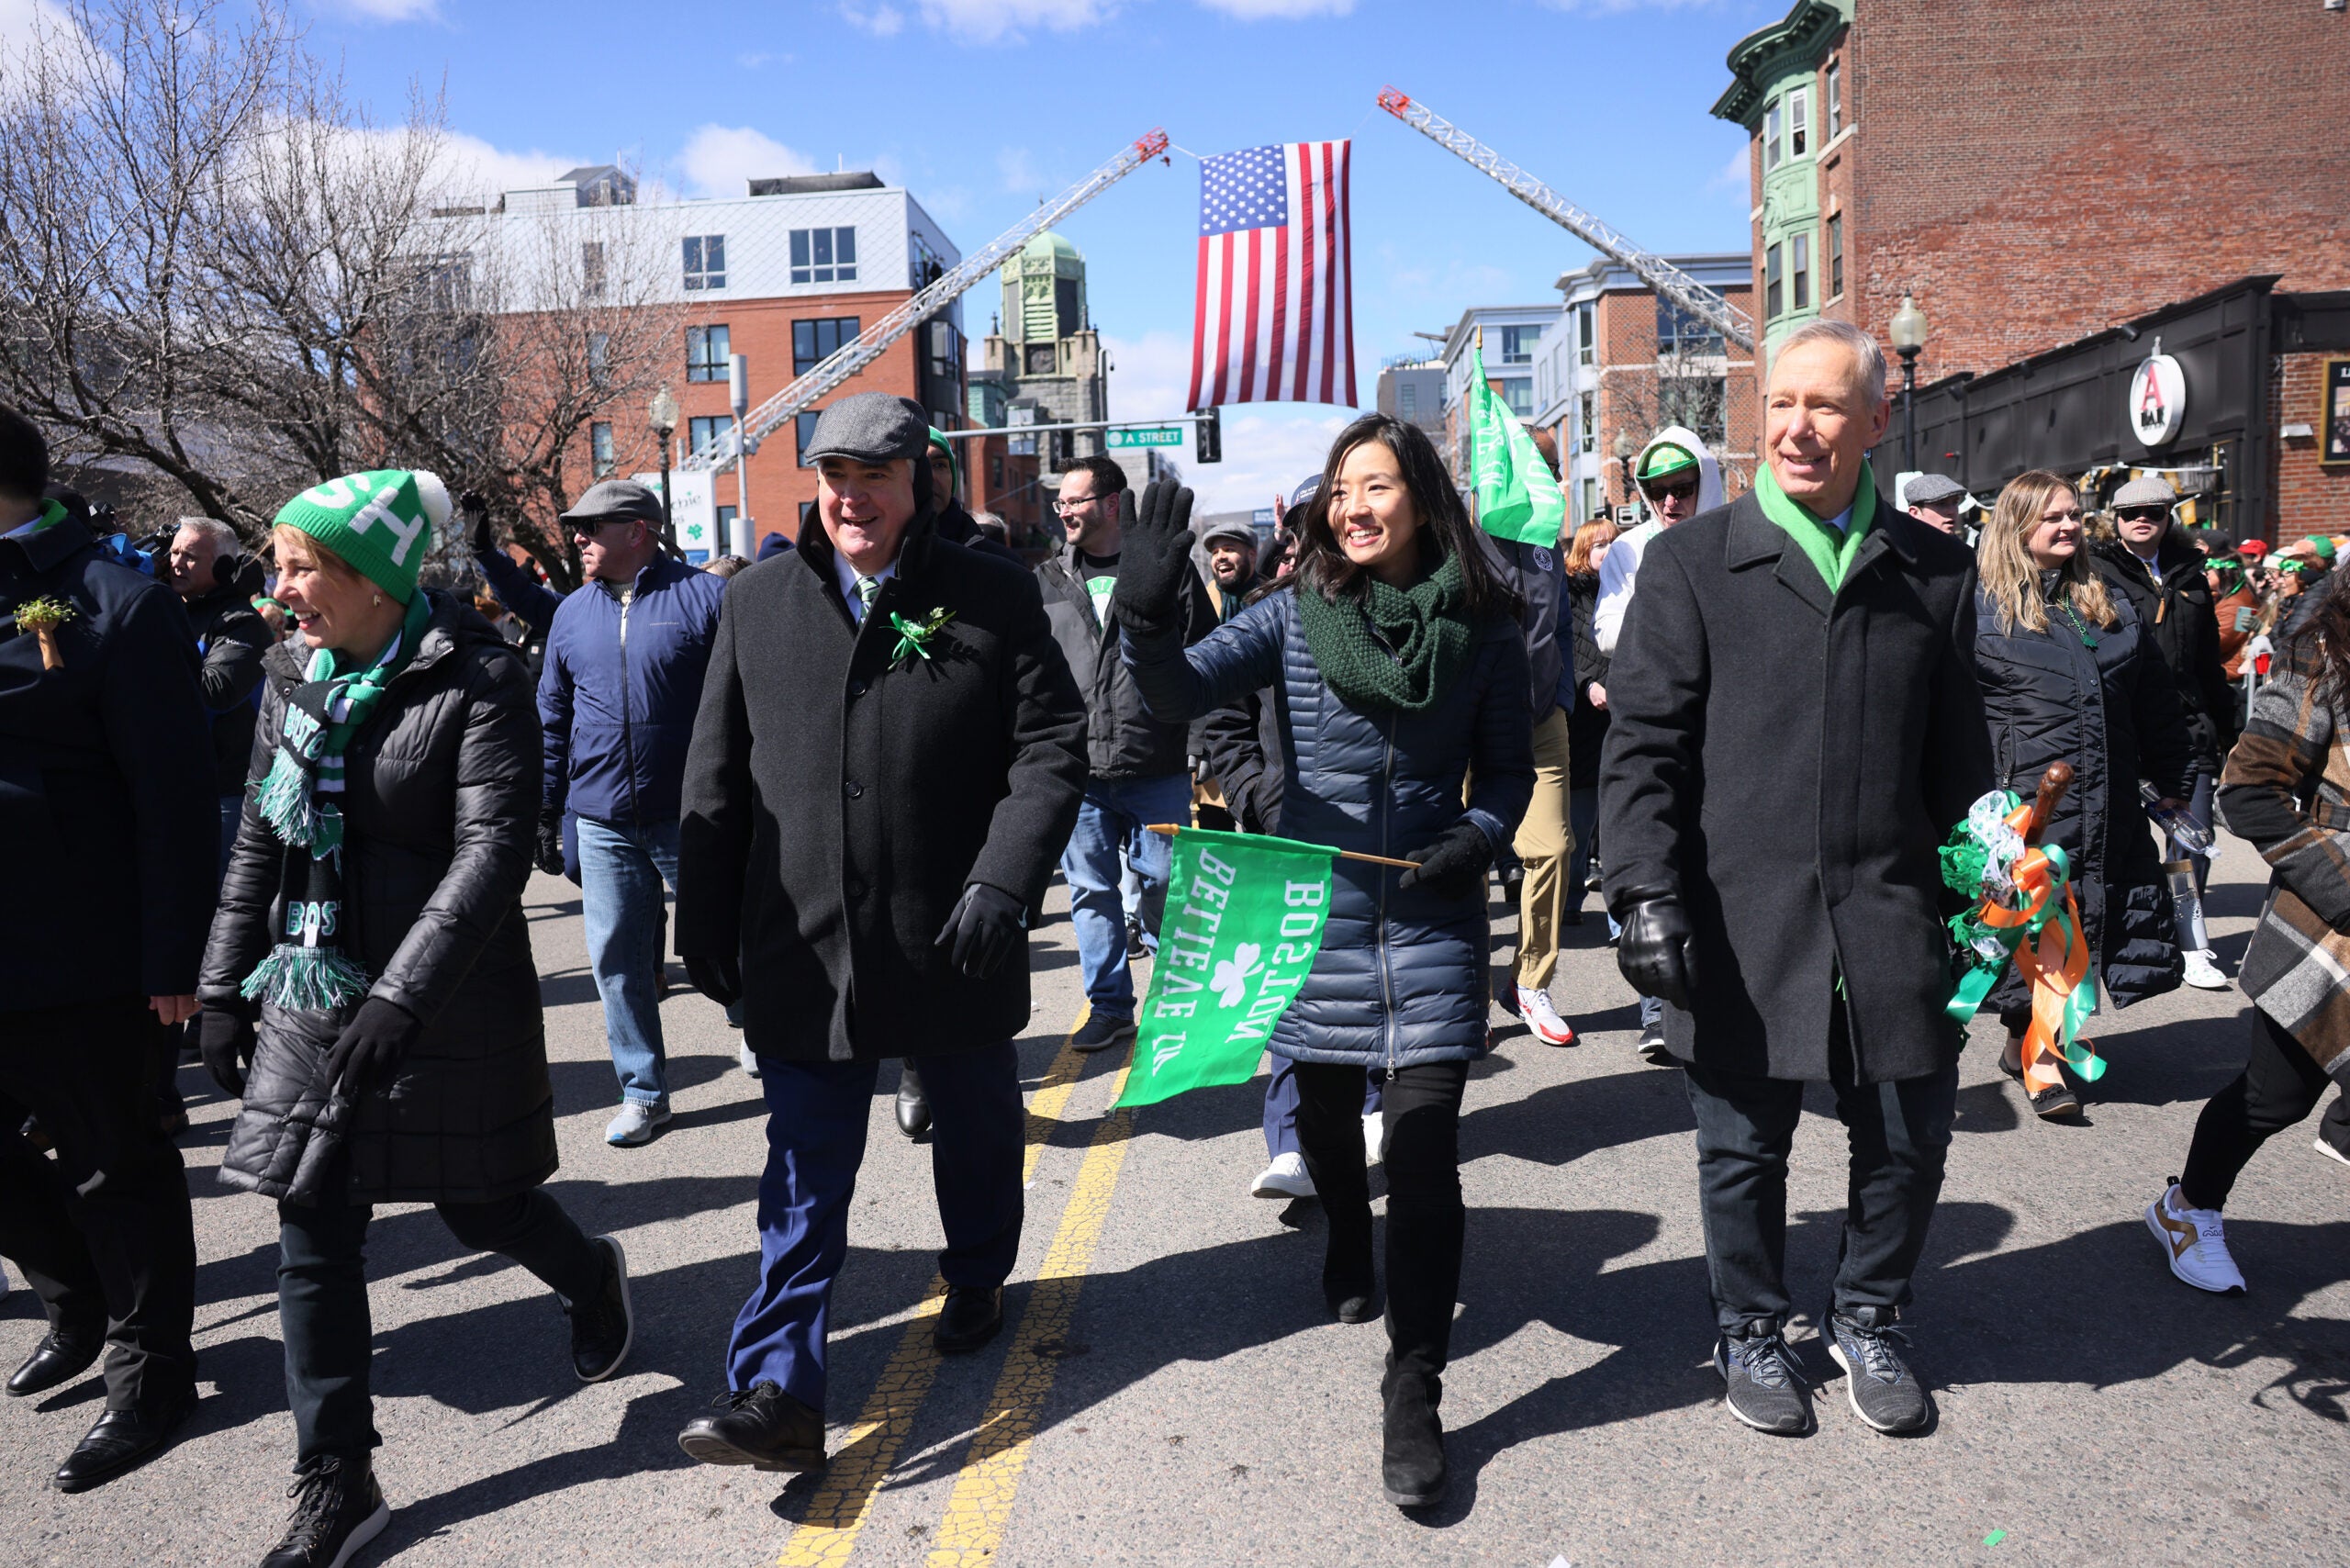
x,y
2153,565
617,696
887,759
1934,499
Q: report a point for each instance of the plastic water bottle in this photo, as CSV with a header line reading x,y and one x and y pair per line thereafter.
x,y
2190,835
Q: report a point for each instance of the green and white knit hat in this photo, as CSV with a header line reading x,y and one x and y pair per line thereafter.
x,y
381,521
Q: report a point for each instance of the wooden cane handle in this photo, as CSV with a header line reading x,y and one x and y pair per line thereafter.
x,y
2052,785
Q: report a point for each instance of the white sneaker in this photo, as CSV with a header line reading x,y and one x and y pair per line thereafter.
x,y
1534,1006
634,1124
2203,974
2324,1147
2196,1243
749,1059
1284,1178
1374,1138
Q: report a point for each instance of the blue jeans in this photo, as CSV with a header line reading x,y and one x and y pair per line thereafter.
x,y
1111,823
622,870
1583,820
817,1117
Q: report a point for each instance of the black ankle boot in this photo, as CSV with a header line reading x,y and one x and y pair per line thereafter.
x,y
1411,1452
1350,1286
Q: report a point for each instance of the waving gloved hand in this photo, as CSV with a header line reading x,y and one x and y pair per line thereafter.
x,y
371,1048
984,928
1154,556
550,845
224,1037
1453,866
475,507
1657,952
721,979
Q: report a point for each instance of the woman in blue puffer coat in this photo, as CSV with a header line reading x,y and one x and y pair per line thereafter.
x,y
1399,676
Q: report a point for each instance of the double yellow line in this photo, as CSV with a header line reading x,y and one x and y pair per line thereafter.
x,y
982,1499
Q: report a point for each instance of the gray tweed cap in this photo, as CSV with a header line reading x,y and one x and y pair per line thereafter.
x,y
2145,492
871,426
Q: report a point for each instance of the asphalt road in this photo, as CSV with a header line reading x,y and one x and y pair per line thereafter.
x,y
1167,1393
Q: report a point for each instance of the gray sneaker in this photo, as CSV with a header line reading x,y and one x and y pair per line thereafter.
x,y
1883,1390
1765,1390
636,1123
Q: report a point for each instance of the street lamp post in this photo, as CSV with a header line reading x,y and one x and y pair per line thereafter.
x,y
663,416
1908,332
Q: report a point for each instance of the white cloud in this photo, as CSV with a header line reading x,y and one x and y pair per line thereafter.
x,y
719,159
475,167
1267,448
392,10
984,21
1280,10
1618,8
1736,177
882,21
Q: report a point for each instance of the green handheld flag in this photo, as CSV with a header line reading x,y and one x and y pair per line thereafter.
x,y
1244,920
1516,498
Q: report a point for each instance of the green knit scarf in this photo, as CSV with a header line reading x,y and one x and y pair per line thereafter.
x,y
1391,648
1829,551
300,799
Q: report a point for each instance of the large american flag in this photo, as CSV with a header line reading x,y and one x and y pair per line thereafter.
x,y
1275,316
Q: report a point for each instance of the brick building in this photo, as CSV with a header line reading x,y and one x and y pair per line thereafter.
x,y
2037,174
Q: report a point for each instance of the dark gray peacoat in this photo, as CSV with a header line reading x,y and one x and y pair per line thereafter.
x,y
839,797
1787,764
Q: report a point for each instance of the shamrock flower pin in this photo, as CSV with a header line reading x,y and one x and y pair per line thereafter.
x,y
913,636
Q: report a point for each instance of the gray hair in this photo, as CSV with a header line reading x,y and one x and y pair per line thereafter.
x,y
993,526
1867,356
224,538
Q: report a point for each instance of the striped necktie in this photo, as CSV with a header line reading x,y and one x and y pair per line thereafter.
x,y
868,590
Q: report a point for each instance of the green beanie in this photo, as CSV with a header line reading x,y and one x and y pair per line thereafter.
x,y
1666,458
2321,546
954,469
380,522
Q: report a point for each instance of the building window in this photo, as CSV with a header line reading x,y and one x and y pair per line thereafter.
x,y
707,352
599,449
1678,331
1590,499
1588,422
1798,122
1582,335
925,266
1770,282
1408,398
599,357
1800,292
1770,149
1518,392
813,342
1517,344
591,269
700,432
705,261
803,430
1835,98
823,256
726,528
995,471
1835,257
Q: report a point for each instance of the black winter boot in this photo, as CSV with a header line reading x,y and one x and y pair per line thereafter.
x,y
1411,1461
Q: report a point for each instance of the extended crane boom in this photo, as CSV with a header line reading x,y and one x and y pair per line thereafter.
x,y
869,346
1668,280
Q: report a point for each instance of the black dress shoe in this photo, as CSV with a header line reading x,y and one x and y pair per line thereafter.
x,y
764,1427
603,1330
62,1355
913,1102
122,1439
973,1315
1350,1300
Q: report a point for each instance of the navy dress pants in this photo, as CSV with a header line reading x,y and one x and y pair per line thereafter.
x,y
817,1117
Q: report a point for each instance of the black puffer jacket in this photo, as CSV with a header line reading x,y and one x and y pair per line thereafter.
x,y
2112,713
1401,977
1586,725
443,792
2180,623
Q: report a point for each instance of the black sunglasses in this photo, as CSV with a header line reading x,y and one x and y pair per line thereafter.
x,y
2142,514
1679,492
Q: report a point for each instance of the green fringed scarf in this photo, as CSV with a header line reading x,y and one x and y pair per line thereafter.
x,y
1393,648
299,799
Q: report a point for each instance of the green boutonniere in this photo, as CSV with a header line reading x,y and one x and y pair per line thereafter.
x,y
42,616
913,636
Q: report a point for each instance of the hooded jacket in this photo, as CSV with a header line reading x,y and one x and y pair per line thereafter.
x,y
1624,556
1122,739
2177,618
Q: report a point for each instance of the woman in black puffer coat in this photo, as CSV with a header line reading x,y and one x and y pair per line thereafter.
x,y
1586,719
395,1051
2068,676
1398,675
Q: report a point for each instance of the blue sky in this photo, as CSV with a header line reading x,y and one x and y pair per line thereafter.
x,y
982,107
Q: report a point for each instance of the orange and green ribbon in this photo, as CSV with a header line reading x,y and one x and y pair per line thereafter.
x,y
2040,925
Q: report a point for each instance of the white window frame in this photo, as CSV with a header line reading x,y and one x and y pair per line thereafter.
x,y
1800,123
1835,93
1771,149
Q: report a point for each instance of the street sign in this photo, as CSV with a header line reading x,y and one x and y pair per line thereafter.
x,y
1158,435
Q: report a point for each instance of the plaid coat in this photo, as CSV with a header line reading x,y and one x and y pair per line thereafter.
x,y
2285,787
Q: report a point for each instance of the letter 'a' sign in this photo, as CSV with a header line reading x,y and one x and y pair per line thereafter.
x,y
2157,400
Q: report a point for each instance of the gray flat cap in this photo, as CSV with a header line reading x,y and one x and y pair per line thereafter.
x,y
1933,490
1232,529
2146,492
871,426
611,498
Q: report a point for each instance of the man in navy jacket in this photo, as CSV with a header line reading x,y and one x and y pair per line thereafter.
x,y
108,817
616,698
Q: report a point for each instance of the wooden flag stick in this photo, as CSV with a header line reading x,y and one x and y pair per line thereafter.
x,y
1170,829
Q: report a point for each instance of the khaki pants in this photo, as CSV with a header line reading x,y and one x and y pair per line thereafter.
x,y
1544,841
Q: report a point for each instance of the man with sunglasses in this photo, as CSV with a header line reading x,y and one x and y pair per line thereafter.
x,y
1678,479
2153,565
617,694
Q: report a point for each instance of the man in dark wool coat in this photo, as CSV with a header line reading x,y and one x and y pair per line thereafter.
x,y
888,759
1797,727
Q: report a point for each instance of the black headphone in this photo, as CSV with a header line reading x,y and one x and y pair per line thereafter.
x,y
226,566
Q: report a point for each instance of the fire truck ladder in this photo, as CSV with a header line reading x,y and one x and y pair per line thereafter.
x,y
1668,280
869,346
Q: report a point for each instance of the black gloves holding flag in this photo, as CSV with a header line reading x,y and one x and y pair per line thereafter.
x,y
1453,866
1154,556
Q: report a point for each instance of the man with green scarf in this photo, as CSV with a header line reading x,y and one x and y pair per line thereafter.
x,y
1796,724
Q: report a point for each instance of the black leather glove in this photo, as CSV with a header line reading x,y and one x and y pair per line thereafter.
x,y
224,1037
985,928
1154,556
550,841
1657,952
475,506
371,1048
721,979
1453,866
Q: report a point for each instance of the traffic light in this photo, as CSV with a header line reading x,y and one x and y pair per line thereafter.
x,y
1207,437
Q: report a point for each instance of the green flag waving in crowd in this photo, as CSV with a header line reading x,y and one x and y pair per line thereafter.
x,y
1244,920
1516,496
